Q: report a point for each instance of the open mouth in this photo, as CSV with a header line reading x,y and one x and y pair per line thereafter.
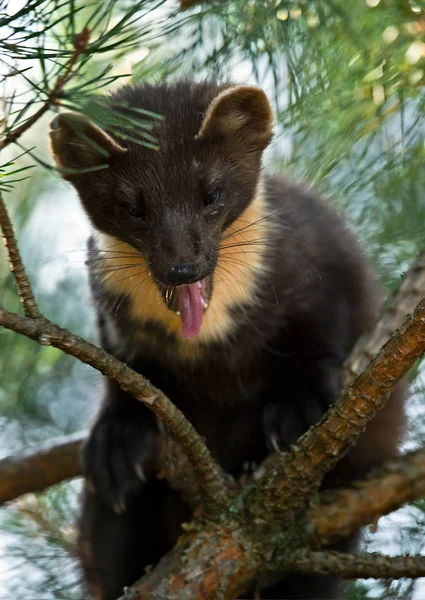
x,y
189,302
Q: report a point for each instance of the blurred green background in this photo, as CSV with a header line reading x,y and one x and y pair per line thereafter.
x,y
347,82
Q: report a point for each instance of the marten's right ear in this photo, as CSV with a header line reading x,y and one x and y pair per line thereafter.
x,y
79,144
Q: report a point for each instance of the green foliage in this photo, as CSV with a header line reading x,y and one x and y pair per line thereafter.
x,y
348,82
70,48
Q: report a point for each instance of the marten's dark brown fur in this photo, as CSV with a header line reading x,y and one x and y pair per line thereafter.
x,y
288,294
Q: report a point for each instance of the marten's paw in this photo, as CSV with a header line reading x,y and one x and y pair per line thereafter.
x,y
284,422
119,456
282,425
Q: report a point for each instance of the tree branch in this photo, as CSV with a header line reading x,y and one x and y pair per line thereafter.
x,y
274,506
339,513
349,566
289,484
80,45
408,294
209,476
194,568
336,515
21,279
37,468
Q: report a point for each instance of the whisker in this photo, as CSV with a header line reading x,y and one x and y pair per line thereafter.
x,y
232,276
86,250
112,269
239,263
309,264
127,276
130,292
259,242
268,216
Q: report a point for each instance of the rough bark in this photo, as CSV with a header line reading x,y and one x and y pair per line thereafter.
x,y
341,512
276,499
365,566
334,516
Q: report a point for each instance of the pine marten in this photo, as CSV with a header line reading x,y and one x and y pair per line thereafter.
x,y
237,293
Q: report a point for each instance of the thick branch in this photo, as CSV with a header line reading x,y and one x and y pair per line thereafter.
x,y
208,564
36,469
21,279
336,515
349,566
216,552
407,296
209,476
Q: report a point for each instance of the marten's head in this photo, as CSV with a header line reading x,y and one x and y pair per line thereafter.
x,y
164,214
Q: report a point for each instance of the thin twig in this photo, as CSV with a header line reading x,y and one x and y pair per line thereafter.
x,y
353,566
210,477
80,44
21,279
408,294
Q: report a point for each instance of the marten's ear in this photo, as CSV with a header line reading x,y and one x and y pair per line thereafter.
x,y
243,111
79,144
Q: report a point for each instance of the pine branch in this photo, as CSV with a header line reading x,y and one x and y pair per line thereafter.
x,y
208,474
80,44
21,279
339,513
294,477
196,567
37,468
408,294
336,514
278,499
354,566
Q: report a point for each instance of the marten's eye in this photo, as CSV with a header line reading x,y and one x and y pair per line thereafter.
x,y
212,198
136,211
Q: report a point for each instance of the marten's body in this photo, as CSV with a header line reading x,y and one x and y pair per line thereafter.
x,y
253,354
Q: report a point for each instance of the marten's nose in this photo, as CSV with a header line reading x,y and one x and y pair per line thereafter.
x,y
183,274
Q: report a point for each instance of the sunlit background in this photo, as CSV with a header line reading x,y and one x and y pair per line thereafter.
x,y
347,83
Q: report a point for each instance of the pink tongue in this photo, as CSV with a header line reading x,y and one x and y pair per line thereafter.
x,y
190,307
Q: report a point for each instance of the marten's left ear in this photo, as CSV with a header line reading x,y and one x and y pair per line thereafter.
x,y
243,111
